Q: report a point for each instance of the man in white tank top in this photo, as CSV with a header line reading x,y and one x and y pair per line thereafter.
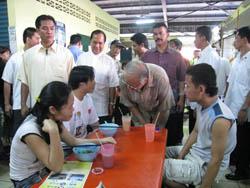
x,y
205,155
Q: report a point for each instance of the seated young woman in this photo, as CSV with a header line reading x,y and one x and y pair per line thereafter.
x,y
36,147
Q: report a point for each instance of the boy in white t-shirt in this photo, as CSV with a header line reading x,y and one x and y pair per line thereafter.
x,y
82,82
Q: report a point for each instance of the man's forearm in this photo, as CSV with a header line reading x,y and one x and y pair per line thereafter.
x,y
190,141
211,173
162,119
7,91
246,103
112,95
24,94
137,114
181,89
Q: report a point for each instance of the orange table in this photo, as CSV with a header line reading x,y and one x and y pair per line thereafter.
x,y
137,164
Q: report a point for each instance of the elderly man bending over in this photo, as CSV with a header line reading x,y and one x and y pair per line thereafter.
x,y
145,90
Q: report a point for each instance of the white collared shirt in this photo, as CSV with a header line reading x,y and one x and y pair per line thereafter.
x,y
225,68
210,56
239,83
10,75
105,77
41,66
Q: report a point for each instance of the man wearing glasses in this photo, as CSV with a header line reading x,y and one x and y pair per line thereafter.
x,y
146,91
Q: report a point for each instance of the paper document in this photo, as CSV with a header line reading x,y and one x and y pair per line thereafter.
x,y
74,174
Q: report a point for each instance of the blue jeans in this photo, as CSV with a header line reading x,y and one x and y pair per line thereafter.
x,y
33,179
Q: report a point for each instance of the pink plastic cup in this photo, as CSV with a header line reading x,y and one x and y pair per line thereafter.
x,y
107,151
149,132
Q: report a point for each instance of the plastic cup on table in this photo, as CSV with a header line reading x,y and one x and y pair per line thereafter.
x,y
107,151
126,123
149,132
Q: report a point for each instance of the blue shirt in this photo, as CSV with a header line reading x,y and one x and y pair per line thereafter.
x,y
75,51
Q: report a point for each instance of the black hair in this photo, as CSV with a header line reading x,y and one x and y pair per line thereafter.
x,y
28,33
4,49
204,74
244,32
162,24
43,17
139,39
97,32
54,94
74,39
205,31
177,43
80,74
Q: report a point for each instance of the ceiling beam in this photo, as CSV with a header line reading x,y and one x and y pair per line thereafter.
x,y
177,6
164,11
183,19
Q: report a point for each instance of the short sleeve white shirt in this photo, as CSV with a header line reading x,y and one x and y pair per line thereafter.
x,y
210,56
84,114
105,77
239,83
10,75
41,66
225,68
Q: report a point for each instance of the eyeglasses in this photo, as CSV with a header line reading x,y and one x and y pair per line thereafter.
x,y
137,89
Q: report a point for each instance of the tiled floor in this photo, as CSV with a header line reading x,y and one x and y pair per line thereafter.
x,y
4,175
6,183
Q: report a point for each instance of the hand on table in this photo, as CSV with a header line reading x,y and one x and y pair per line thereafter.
x,y
108,140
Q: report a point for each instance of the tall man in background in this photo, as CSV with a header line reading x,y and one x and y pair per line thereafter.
x,y
238,100
172,62
44,62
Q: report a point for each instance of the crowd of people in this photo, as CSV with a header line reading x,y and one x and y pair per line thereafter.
x,y
51,95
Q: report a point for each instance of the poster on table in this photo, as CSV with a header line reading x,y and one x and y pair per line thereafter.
x,y
74,174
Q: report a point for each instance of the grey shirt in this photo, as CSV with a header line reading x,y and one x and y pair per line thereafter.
x,y
156,96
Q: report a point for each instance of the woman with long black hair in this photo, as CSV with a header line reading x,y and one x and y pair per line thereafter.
x,y
36,146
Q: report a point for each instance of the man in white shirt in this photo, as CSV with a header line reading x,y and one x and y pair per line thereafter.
x,y
225,68
30,39
44,62
208,55
238,100
106,76
203,37
82,82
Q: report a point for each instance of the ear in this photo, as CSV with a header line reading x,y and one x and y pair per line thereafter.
x,y
202,89
27,40
167,34
52,110
81,84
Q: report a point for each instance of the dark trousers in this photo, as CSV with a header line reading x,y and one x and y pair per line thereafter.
x,y
241,154
17,121
175,129
119,110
